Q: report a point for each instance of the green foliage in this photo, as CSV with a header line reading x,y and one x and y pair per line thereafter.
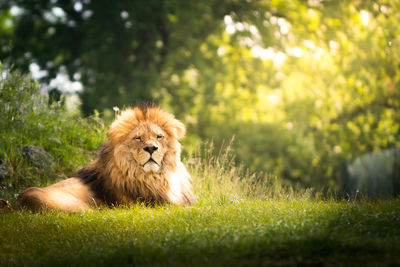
x,y
26,118
329,93
304,86
122,50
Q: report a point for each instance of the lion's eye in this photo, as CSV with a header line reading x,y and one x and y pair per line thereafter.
x,y
160,137
138,138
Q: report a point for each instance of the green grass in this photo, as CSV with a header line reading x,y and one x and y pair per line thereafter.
x,y
237,233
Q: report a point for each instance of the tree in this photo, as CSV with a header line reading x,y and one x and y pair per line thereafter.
x,y
122,51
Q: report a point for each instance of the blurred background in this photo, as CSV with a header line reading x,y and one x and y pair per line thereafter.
x,y
309,91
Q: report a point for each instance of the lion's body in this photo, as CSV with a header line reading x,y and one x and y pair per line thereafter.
x,y
139,162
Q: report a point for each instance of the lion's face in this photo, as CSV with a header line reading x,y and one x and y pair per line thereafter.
x,y
146,138
148,145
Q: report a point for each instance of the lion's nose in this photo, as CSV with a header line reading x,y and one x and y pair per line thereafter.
x,y
150,149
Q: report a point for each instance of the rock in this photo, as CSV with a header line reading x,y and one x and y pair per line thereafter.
x,y
37,157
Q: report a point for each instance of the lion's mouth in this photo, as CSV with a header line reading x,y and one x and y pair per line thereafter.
x,y
151,166
151,160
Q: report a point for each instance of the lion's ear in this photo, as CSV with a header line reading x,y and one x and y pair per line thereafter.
x,y
122,126
179,129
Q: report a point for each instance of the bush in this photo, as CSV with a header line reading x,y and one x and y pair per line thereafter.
x,y
27,118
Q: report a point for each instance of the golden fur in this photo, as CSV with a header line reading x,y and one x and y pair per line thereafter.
x,y
139,162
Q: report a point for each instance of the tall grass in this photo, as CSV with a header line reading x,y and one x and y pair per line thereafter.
x,y
217,177
27,118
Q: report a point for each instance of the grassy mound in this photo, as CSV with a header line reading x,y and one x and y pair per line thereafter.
x,y
27,118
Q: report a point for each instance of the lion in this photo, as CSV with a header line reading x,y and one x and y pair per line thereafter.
x,y
139,162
